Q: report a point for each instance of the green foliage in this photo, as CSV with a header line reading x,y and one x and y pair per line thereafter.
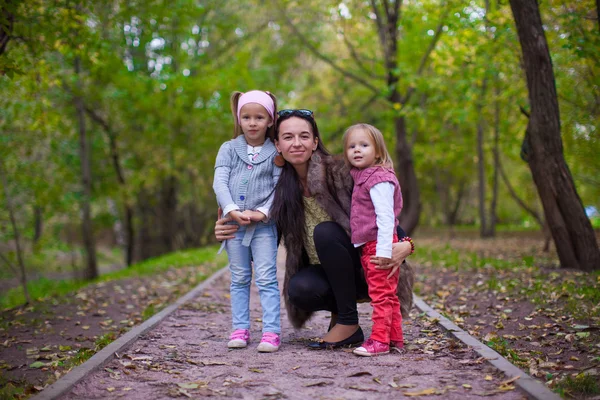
x,y
156,78
502,346
581,384
44,289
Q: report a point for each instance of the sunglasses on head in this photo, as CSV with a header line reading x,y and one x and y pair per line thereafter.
x,y
302,111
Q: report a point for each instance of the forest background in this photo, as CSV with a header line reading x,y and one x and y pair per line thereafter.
x,y
112,112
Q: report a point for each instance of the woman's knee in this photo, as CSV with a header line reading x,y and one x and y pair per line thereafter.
x,y
307,292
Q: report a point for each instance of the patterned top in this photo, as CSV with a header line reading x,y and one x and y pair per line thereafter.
x,y
314,215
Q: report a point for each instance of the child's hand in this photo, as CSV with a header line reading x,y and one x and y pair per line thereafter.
x,y
385,263
239,217
255,216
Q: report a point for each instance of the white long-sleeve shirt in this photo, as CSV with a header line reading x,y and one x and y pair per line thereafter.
x,y
382,196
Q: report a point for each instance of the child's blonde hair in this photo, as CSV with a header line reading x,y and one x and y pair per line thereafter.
x,y
382,156
237,129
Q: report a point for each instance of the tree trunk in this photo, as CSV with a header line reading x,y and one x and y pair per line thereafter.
x,y
16,232
494,204
37,223
7,19
168,213
116,161
407,177
571,229
483,227
91,270
129,235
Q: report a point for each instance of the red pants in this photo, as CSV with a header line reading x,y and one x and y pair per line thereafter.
x,y
387,320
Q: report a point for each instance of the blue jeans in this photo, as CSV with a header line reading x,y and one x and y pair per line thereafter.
x,y
263,253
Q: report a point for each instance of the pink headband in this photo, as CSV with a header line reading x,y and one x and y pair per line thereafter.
x,y
257,96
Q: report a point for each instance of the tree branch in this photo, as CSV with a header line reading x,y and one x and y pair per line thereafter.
x,y
380,28
111,140
321,56
12,267
427,54
516,197
358,61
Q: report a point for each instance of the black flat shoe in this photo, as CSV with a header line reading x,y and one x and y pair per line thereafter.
x,y
356,338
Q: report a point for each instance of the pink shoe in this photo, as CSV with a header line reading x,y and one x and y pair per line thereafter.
x,y
397,345
239,339
372,348
269,343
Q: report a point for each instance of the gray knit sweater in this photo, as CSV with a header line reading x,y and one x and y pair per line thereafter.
x,y
249,184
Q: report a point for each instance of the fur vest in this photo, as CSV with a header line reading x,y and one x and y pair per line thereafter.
x,y
331,185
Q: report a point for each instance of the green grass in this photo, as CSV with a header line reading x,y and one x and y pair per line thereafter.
x,y
42,289
578,291
582,384
503,347
460,259
9,391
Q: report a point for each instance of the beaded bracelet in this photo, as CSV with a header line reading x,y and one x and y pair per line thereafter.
x,y
409,240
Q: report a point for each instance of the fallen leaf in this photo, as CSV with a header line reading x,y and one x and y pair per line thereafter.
x,y
188,385
509,381
362,373
406,385
37,364
488,378
320,383
362,389
258,371
423,392
110,389
141,358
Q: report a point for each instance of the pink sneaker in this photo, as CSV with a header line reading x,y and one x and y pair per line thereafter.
x,y
397,345
239,339
372,348
269,343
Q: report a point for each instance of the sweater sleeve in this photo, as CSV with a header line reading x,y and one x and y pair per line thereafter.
x,y
382,196
265,208
221,180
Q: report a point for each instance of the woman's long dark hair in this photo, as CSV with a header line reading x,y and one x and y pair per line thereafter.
x,y
288,205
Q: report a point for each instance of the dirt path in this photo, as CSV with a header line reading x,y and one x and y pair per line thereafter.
x,y
186,356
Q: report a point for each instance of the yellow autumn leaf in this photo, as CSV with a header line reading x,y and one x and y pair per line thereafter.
x,y
423,392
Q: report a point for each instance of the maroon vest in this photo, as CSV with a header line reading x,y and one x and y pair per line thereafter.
x,y
363,221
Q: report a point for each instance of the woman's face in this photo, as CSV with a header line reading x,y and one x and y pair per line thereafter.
x,y
296,141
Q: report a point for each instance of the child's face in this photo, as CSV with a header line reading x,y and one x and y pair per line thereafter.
x,y
255,120
360,149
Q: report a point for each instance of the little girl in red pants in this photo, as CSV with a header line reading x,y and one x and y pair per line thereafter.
x,y
376,203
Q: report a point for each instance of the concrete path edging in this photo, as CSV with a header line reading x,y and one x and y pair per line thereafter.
x,y
533,389
101,358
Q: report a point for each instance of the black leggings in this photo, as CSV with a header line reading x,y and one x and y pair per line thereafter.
x,y
337,283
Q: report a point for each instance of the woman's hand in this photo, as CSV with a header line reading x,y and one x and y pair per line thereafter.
x,y
400,250
222,230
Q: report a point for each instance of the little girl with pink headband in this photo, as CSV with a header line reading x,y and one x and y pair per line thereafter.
x,y
245,179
